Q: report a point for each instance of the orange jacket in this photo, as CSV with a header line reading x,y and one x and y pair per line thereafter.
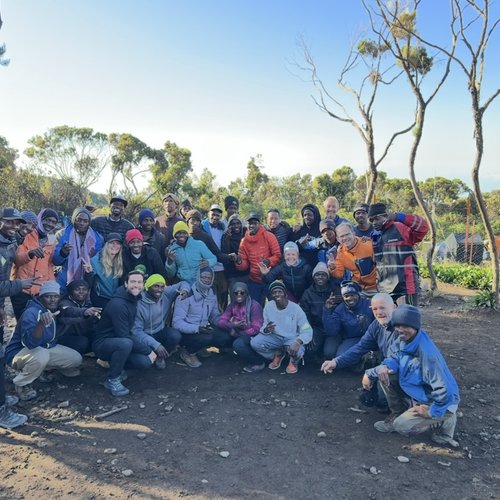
x,y
254,248
28,268
359,260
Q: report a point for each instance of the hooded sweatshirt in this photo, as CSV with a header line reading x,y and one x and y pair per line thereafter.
x,y
149,262
313,231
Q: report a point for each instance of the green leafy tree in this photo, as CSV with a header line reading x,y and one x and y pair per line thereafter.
x,y
169,175
8,155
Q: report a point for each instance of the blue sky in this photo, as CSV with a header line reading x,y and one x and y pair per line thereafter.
x,y
220,78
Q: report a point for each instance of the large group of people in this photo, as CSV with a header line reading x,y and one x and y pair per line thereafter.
x,y
326,290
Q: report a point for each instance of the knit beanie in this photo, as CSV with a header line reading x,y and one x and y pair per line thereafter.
x,y
114,237
51,286
29,216
291,246
320,268
377,209
360,206
326,224
193,213
154,279
76,284
77,212
180,226
231,200
48,212
349,287
406,315
172,196
277,284
145,212
133,234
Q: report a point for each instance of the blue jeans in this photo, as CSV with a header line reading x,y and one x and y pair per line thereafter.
x,y
267,345
335,346
258,291
243,349
169,338
193,342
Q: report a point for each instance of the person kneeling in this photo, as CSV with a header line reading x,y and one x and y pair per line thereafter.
x,y
33,346
417,374
286,327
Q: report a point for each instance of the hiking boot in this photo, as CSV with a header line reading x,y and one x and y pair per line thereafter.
x,y
386,425
11,400
115,386
25,392
160,363
190,359
292,367
254,368
10,419
277,360
69,372
444,440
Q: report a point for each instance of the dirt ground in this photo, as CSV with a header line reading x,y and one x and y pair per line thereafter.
x,y
287,436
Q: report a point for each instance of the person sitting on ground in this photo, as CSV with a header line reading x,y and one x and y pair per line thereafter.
x,y
393,243
34,258
332,206
137,255
295,273
347,322
185,256
309,230
280,229
417,374
356,256
379,340
114,222
285,330
78,319
105,272
230,245
196,318
150,235
312,303
259,250
77,243
360,214
113,341
34,348
165,223
153,312
243,320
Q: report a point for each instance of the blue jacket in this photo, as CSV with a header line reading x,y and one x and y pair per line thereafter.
x,y
377,337
348,323
102,285
187,260
23,333
423,374
59,260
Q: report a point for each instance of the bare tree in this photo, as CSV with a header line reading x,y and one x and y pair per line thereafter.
x,y
369,54
395,25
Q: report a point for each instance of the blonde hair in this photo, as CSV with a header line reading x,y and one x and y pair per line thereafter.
x,y
112,264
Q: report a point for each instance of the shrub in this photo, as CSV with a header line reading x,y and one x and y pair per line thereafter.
x,y
475,277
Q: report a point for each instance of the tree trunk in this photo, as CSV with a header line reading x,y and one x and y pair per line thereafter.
x,y
418,131
370,149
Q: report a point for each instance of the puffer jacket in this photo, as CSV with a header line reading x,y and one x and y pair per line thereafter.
x,y
348,323
296,278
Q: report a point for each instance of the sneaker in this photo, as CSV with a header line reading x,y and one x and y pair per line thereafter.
x,y
160,363
11,400
115,386
254,368
123,376
102,363
190,359
444,440
386,425
292,367
25,392
277,360
10,419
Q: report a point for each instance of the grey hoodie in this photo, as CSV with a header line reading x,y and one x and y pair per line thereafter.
x,y
151,316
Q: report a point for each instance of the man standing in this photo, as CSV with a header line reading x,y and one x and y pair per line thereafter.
x,y
393,244
417,374
114,222
360,214
285,330
165,223
332,206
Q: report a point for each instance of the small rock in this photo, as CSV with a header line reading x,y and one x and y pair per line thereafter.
x,y
204,481
203,400
403,459
224,454
321,434
110,451
141,435
41,444
358,420
497,418
99,461
460,414
87,408
271,381
444,464
283,425
34,434
63,404
114,461
483,401
283,403
127,472
373,470
142,406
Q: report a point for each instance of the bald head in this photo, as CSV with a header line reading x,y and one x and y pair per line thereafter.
x,y
382,307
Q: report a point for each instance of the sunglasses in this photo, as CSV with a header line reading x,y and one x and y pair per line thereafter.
x,y
239,292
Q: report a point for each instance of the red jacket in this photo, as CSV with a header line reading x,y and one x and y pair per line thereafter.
x,y
255,248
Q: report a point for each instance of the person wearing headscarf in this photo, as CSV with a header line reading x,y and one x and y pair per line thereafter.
x,y
307,231
34,258
243,320
34,346
77,243
196,318
26,227
295,273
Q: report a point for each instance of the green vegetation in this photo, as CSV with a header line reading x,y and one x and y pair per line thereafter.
x,y
468,276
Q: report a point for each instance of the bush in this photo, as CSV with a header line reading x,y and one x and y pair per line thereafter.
x,y
476,277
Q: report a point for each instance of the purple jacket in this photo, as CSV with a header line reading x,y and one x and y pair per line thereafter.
x,y
238,311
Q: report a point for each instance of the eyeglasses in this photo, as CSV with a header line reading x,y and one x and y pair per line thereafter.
x,y
239,292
